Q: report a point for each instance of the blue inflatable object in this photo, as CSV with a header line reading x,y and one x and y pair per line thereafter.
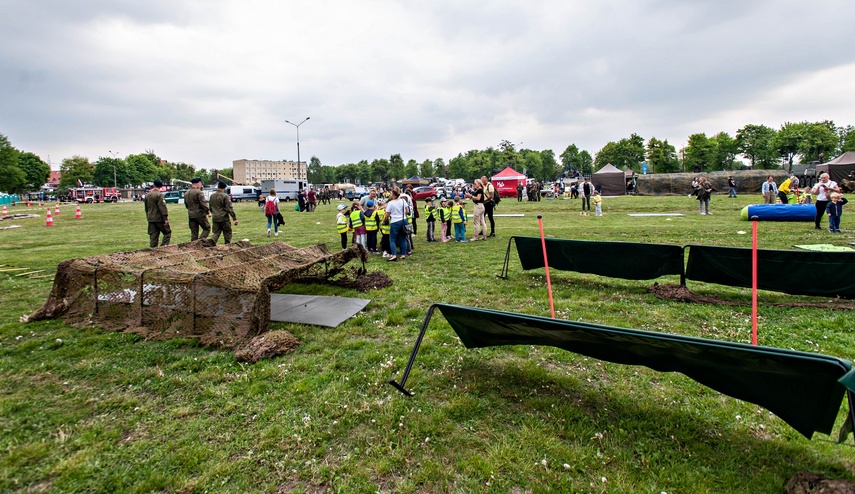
x,y
779,212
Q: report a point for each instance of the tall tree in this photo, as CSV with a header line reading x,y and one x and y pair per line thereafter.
x,y
315,171
35,170
110,170
533,164
787,141
144,168
426,170
847,139
551,167
439,166
74,169
396,167
626,153
412,168
724,152
819,141
570,158
380,169
661,157
12,178
586,162
510,156
458,167
700,153
756,143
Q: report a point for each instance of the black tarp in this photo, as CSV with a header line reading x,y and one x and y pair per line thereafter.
x,y
803,389
625,260
830,274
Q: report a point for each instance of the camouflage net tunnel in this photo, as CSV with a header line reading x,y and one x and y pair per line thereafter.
x,y
219,294
748,181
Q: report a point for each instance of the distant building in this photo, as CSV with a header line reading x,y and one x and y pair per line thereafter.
x,y
250,171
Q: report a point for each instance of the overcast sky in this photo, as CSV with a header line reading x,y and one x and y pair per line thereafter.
x,y
208,82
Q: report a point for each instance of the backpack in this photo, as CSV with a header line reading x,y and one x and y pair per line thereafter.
x,y
269,207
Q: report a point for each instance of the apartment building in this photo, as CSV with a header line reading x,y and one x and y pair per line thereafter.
x,y
251,171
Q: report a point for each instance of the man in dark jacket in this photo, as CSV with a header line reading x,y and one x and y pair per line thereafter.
x,y
197,210
157,215
221,209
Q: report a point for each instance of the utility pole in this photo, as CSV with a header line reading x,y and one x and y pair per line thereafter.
x,y
298,141
114,167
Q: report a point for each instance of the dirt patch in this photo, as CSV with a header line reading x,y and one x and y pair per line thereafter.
x,y
267,345
355,278
811,483
680,293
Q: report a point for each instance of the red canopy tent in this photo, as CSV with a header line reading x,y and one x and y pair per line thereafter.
x,y
506,182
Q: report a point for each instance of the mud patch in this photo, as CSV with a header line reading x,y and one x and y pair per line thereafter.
x,y
680,293
267,345
355,278
811,483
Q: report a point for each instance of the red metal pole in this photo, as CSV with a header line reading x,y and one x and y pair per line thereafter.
x,y
754,283
546,266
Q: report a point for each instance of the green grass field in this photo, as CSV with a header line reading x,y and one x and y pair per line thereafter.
x,y
86,410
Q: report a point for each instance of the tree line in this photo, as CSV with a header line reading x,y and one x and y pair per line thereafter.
x,y
763,147
22,171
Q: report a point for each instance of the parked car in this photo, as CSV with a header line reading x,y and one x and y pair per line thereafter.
x,y
174,196
427,192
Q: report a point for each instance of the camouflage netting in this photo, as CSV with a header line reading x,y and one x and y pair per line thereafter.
x,y
219,294
748,181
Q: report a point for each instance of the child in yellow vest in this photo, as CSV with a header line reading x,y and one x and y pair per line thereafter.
x,y
431,214
446,223
341,224
385,228
458,217
371,226
357,224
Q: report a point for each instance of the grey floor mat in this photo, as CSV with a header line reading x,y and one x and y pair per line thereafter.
x,y
314,309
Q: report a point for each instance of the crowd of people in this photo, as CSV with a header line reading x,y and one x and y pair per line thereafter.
x,y
385,221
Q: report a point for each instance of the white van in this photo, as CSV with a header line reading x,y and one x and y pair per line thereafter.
x,y
240,193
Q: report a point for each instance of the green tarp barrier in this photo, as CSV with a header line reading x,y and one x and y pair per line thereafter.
x,y
825,274
626,260
803,389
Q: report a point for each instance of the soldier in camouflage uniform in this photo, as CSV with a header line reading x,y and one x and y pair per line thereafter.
x,y
197,210
157,215
221,209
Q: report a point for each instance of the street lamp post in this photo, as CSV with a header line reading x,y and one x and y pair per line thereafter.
x,y
114,166
298,138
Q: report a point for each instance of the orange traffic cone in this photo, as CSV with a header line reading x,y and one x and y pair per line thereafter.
x,y
77,214
49,219
4,212
56,211
29,203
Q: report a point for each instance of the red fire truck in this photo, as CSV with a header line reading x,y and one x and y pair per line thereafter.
x,y
95,194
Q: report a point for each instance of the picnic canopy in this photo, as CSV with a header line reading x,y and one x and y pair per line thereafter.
x,y
506,182
415,180
839,168
610,181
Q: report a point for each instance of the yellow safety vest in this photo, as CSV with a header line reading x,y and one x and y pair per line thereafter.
x,y
356,219
384,229
458,212
371,221
341,223
430,215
